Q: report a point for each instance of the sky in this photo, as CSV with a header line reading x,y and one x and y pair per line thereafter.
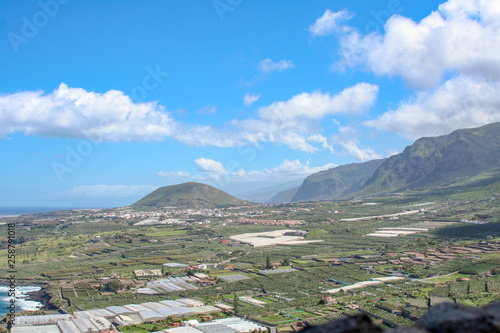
x,y
101,102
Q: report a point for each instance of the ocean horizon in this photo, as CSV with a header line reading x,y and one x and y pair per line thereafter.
x,y
12,211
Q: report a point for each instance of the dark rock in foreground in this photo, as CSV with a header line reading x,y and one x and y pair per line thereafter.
x,y
445,317
356,324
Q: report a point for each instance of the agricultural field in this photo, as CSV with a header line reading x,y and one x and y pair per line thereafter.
x,y
451,261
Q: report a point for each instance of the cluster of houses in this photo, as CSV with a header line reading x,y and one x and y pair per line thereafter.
x,y
168,211
270,222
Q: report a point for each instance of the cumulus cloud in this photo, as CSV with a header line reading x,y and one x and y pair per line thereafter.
x,y
317,105
268,65
207,165
460,36
451,57
106,191
76,113
461,102
249,99
329,23
296,122
111,116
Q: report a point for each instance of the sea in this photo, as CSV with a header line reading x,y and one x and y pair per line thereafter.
x,y
14,211
22,304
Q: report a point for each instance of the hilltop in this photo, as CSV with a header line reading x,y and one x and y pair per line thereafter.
x,y
187,195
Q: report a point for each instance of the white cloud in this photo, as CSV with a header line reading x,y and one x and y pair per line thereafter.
x,y
329,23
462,102
106,191
249,99
296,122
360,154
207,165
347,140
453,57
317,105
268,65
321,139
76,113
461,36
111,116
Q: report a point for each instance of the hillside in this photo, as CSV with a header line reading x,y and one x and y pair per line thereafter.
x,y
463,158
337,182
187,195
460,158
330,184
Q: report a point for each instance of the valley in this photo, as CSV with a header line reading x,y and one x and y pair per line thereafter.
x,y
341,270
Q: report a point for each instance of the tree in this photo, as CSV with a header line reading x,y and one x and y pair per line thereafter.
x,y
236,305
268,263
286,262
113,285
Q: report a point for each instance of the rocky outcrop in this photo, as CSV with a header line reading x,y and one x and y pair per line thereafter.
x,y
445,317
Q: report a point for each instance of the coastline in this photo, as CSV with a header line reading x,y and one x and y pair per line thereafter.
x,y
40,296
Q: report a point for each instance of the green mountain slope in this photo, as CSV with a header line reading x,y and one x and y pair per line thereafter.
x,y
337,182
187,195
458,158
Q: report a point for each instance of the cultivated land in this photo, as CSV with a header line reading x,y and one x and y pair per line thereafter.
x,y
446,250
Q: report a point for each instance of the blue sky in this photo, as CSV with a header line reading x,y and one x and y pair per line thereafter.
x,y
101,102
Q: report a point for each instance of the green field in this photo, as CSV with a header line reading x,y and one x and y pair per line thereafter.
x,y
58,251
167,233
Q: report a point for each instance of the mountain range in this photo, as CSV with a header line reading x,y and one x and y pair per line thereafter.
x,y
466,157
463,157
